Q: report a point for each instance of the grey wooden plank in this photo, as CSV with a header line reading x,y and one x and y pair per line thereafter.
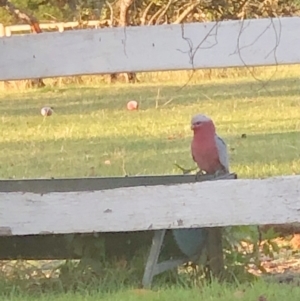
x,y
173,263
168,265
94,184
149,273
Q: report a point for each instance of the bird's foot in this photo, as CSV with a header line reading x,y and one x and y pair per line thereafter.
x,y
199,174
184,170
219,173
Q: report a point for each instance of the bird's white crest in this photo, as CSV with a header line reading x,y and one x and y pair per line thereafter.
x,y
200,118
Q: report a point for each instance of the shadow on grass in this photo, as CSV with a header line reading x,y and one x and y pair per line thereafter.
x,y
85,100
102,156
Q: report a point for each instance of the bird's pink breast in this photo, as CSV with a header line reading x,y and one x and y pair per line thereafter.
x,y
205,153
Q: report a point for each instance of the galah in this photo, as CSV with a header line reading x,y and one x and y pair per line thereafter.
x,y
132,105
46,111
209,151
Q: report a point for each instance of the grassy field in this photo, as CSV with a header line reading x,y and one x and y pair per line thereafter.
x,y
255,292
92,134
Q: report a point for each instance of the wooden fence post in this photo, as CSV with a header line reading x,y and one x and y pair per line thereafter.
x,y
215,252
61,27
2,30
7,31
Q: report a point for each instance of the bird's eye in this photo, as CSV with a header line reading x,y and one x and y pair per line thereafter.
x,y
198,122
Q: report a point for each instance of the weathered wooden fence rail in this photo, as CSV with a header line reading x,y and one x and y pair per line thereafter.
x,y
152,207
124,204
175,202
151,48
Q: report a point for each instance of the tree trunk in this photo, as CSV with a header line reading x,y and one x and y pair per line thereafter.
x,y
124,7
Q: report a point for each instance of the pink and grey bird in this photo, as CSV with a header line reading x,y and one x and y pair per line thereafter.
x,y
132,105
209,151
46,111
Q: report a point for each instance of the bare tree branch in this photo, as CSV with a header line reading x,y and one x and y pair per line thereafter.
x,y
21,15
163,12
185,13
154,16
124,6
241,14
144,16
111,13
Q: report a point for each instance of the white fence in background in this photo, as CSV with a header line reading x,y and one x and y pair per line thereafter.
x,y
259,42
53,26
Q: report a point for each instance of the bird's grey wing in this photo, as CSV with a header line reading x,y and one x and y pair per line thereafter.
x,y
223,153
192,153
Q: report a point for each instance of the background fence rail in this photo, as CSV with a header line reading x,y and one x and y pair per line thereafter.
x,y
259,42
53,26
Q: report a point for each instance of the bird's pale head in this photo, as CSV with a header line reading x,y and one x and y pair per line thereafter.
x,y
201,121
47,111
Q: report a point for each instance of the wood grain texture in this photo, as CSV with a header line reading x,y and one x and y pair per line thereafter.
x,y
253,42
206,204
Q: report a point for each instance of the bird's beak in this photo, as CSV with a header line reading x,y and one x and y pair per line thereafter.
x,y
193,126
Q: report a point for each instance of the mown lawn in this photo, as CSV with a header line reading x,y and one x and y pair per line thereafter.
x,y
92,134
259,291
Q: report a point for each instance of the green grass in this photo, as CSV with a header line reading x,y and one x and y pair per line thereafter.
x,y
92,134
258,291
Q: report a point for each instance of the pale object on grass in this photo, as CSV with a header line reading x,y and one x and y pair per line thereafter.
x,y
46,111
132,105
